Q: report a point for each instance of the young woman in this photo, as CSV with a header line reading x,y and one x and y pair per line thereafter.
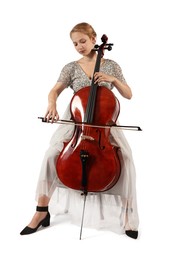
x,y
115,209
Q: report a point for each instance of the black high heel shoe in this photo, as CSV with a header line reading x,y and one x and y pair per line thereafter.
x,y
44,222
132,233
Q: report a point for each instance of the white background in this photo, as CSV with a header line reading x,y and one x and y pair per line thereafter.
x,y
34,46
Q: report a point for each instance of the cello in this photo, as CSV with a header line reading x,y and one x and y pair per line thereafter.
x,y
88,162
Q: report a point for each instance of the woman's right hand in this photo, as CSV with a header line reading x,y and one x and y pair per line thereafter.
x,y
51,113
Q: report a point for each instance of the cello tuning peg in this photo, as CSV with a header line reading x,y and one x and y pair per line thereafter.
x,y
109,48
96,47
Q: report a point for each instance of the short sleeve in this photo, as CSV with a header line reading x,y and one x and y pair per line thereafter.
x,y
65,75
118,72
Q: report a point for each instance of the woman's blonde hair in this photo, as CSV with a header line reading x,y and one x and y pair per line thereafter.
x,y
84,28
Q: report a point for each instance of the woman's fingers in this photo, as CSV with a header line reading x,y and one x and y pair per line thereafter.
x,y
51,115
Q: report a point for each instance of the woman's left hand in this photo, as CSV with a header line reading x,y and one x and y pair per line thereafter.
x,y
102,77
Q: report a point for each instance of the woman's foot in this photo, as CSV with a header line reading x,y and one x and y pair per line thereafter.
x,y
132,233
41,218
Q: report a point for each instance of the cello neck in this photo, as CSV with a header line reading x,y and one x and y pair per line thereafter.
x,y
89,114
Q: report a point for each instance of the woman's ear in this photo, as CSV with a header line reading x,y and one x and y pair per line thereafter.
x,y
93,40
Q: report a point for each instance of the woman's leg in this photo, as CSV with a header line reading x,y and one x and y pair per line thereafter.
x,y
47,183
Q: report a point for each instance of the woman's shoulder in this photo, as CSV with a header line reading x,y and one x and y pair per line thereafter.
x,y
111,62
112,65
68,68
70,65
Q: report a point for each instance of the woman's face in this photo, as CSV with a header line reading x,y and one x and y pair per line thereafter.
x,y
82,43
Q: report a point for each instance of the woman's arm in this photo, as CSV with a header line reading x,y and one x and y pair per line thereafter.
x,y
51,112
123,88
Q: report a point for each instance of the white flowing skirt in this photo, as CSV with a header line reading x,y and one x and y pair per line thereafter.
x,y
115,209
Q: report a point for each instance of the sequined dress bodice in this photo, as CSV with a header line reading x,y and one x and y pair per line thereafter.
x,y
72,75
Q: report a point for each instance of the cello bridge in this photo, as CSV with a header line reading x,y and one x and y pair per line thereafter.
x,y
87,137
